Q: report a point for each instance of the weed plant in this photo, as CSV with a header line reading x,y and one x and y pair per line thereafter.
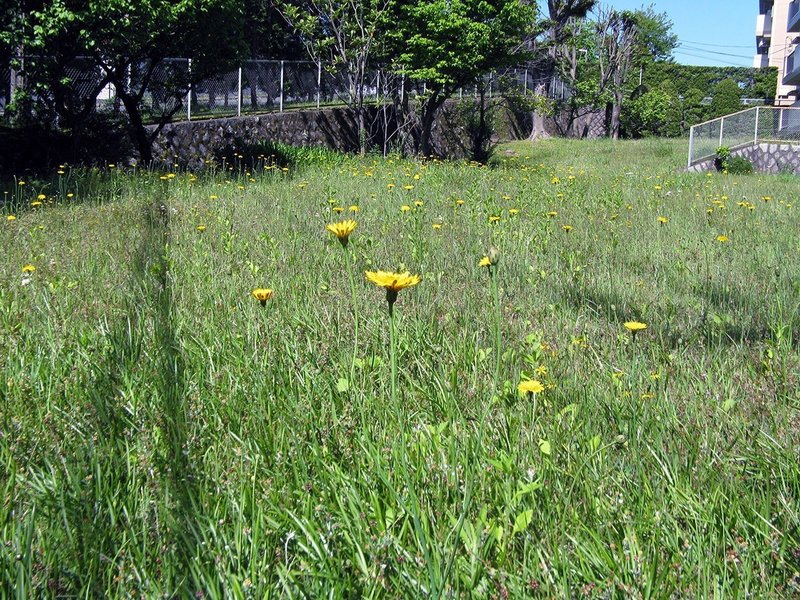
x,y
166,434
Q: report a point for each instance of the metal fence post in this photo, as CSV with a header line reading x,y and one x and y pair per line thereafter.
x,y
691,145
280,106
721,128
780,120
378,87
239,95
525,82
189,94
319,82
755,133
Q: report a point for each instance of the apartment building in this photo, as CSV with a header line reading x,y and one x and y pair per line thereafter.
x,y
778,45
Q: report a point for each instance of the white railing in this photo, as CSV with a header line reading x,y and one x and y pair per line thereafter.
x,y
743,128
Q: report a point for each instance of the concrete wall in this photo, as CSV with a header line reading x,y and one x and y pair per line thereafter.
x,y
767,157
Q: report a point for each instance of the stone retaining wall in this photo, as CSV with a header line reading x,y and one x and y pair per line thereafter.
x,y
766,157
196,144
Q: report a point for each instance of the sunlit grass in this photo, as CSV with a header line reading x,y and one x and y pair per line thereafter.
x,y
165,432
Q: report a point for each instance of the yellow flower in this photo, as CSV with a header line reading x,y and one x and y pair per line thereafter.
x,y
354,208
408,187
552,214
485,262
201,228
530,386
634,326
418,203
513,211
10,218
393,282
405,208
41,197
338,209
567,228
459,202
437,226
494,218
28,268
723,238
262,295
663,220
541,370
342,230
35,203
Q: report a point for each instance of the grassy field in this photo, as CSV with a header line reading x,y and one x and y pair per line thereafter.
x,y
164,434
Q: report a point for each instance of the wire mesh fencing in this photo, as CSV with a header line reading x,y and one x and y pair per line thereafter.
x,y
169,89
751,126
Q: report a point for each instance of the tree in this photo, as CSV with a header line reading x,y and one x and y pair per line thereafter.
x,y
452,44
727,98
558,52
617,37
123,43
343,34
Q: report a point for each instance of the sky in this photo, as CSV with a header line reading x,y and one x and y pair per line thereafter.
x,y
710,32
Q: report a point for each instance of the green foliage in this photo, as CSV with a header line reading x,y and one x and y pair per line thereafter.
x,y
646,114
725,162
753,83
727,98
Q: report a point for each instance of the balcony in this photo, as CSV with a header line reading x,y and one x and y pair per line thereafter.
x,y
794,16
791,72
764,24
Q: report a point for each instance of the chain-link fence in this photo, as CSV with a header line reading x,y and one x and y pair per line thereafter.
x,y
751,126
169,89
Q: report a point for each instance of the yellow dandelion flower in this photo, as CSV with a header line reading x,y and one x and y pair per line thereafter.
x,y
663,220
28,268
35,203
723,238
552,213
494,218
405,208
459,202
437,226
262,295
513,211
41,197
11,218
408,187
338,209
634,326
342,230
201,228
485,262
353,208
418,203
530,386
392,282
567,228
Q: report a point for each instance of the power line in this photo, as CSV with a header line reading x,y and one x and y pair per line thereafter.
x,y
719,60
713,45
704,51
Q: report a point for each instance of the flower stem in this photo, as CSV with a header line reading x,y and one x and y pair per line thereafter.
x,y
497,318
392,357
355,313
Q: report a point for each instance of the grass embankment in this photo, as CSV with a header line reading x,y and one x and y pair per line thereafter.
x,y
163,433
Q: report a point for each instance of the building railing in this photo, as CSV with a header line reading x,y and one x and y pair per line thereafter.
x,y
793,23
744,128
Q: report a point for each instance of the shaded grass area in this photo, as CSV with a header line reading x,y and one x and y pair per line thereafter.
x,y
165,434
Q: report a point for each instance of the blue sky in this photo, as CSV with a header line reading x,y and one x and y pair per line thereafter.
x,y
711,32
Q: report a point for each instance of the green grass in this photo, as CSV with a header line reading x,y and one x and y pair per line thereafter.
x,y
163,434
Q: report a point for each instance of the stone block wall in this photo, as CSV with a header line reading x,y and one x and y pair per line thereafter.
x,y
766,157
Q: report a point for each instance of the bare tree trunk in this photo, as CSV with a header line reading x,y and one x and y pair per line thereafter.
x,y
538,129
